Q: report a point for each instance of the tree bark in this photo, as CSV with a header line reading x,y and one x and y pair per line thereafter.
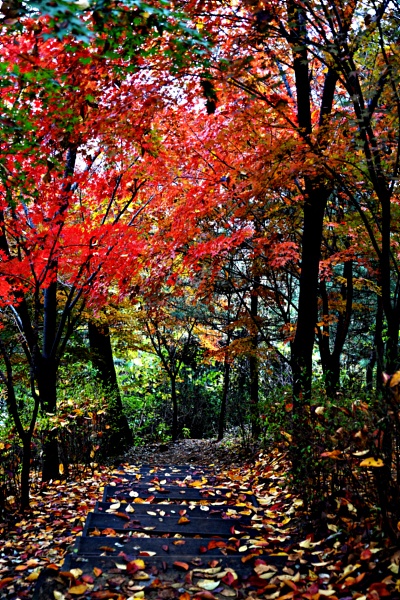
x,y
224,399
254,364
377,352
102,360
331,359
47,384
174,399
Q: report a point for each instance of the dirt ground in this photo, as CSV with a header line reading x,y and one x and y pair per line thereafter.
x,y
230,452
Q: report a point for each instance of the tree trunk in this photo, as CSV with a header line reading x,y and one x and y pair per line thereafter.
x,y
46,376
254,364
174,399
25,472
331,359
47,384
377,352
224,400
303,344
102,360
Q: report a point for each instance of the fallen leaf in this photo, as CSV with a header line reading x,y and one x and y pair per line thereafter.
x,y
208,584
372,462
183,521
76,573
181,565
77,590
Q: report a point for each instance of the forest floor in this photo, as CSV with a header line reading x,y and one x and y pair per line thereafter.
x,y
229,453
339,557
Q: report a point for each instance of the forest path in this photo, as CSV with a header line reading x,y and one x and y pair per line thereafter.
x,y
172,532
231,452
210,532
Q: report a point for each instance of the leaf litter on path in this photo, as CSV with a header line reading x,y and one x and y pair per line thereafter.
x,y
350,561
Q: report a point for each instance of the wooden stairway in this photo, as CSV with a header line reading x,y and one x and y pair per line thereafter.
x,y
174,531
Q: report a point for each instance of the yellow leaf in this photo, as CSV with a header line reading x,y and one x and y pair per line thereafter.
x,y
395,379
58,595
372,462
208,584
77,590
139,564
307,544
76,573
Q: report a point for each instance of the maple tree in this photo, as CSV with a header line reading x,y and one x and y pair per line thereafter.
x,y
312,57
66,204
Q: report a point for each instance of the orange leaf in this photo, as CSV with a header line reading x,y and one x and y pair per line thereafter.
x,y
181,565
109,531
216,544
183,520
335,454
204,595
122,515
5,581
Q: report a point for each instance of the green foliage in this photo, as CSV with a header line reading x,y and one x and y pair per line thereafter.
x,y
128,24
146,398
81,425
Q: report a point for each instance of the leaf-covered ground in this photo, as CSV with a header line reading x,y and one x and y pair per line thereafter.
x,y
341,556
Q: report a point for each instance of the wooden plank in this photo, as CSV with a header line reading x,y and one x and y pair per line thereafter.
x,y
129,492
166,563
161,510
162,546
167,524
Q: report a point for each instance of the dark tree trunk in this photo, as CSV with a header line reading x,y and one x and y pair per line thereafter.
x,y
254,364
25,472
331,359
47,383
303,344
377,352
224,400
174,399
316,192
46,376
102,360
